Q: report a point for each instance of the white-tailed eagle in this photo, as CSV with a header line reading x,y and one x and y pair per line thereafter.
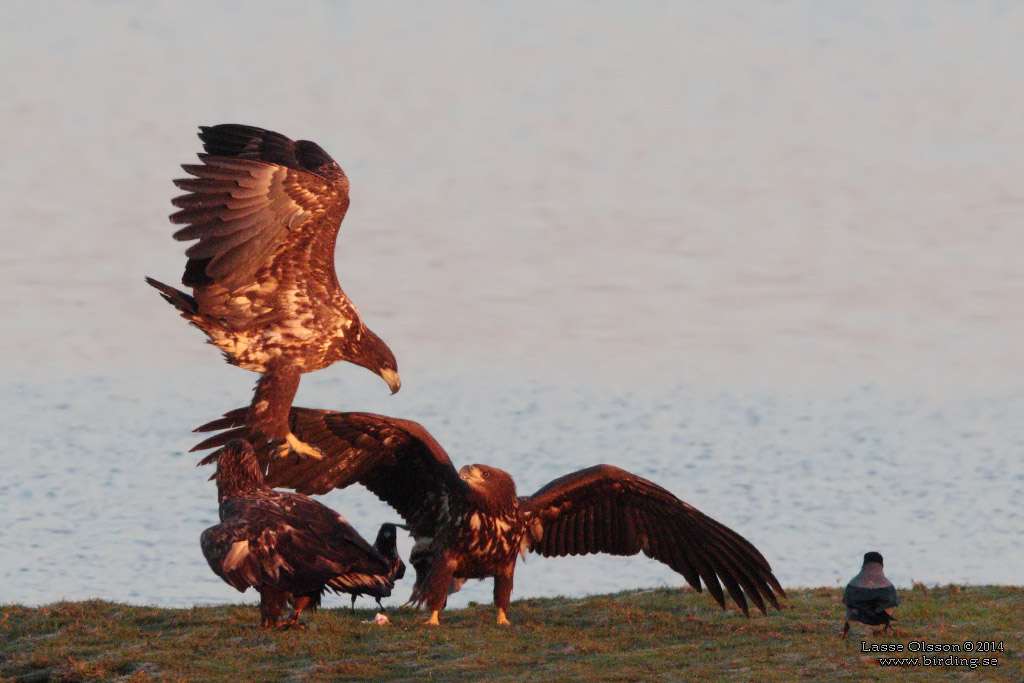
x,y
266,211
287,546
470,524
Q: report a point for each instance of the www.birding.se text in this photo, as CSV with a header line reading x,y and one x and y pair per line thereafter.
x,y
949,660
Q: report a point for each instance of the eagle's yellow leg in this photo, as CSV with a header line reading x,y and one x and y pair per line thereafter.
x,y
292,444
432,621
502,619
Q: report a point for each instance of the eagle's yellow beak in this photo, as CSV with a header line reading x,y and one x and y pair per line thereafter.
x,y
392,378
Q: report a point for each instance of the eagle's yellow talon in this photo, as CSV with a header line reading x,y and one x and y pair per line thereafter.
x,y
432,621
292,444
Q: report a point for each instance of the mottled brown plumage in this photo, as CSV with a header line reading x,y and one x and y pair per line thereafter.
x,y
287,546
266,212
471,524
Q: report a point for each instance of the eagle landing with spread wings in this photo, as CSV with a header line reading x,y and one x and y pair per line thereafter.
x,y
266,211
471,524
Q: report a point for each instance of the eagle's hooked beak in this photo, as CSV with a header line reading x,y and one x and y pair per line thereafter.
x,y
467,473
392,378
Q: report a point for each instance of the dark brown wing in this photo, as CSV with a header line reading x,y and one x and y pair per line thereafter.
x,y
396,459
257,200
298,545
604,509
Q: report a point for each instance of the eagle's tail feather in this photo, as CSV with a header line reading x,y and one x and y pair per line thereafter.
x,y
177,298
189,309
362,584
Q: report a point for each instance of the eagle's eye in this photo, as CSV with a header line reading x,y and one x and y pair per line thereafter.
x,y
486,474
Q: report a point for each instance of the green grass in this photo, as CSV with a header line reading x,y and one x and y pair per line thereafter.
x,y
653,635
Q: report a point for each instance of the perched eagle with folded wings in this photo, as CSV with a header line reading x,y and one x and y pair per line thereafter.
x,y
266,211
473,525
287,546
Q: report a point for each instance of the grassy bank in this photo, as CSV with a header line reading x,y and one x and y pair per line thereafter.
x,y
655,635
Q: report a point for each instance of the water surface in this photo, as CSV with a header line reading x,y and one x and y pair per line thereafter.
x,y
765,255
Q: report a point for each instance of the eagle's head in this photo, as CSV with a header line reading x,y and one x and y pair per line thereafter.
x,y
495,490
375,356
238,470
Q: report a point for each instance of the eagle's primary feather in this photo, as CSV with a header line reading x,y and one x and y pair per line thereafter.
x,y
471,523
266,211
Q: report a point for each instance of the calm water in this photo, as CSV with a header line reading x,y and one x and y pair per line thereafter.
x,y
767,256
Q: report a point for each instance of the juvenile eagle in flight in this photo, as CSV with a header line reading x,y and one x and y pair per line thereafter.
x,y
266,211
287,546
470,523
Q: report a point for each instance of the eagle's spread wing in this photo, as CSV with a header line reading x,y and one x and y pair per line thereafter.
x,y
260,200
297,545
604,509
396,459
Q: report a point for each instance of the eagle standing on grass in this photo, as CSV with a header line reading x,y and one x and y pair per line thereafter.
x,y
266,211
287,546
470,524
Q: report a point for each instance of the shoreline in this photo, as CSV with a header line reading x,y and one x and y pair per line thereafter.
x,y
646,634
